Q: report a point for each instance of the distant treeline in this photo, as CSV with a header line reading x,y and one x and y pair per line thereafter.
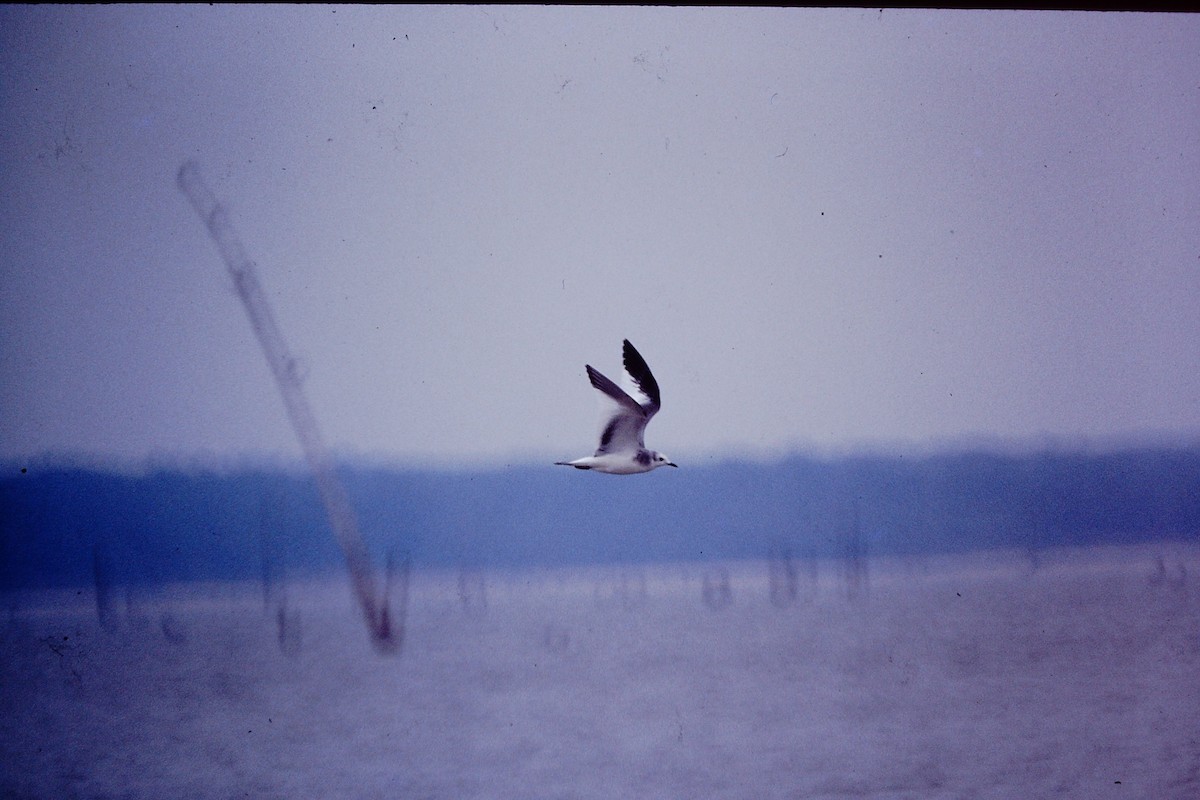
x,y
62,526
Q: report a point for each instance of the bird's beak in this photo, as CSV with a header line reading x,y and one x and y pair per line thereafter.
x,y
672,464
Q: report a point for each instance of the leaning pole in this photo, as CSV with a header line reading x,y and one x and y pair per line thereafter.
x,y
342,520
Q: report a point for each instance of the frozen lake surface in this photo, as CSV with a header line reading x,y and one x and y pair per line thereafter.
x,y
982,678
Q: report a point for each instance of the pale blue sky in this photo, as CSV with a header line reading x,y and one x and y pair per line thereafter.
x,y
822,228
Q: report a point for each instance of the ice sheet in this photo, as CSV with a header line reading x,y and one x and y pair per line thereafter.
x,y
1069,677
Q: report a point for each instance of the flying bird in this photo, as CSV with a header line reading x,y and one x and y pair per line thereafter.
x,y
622,450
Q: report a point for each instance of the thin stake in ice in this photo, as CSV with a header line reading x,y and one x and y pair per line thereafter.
x,y
386,633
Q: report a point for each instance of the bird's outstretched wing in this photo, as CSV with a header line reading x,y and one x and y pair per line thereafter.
x,y
623,428
636,367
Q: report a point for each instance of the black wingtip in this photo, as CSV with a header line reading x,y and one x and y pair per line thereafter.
x,y
639,370
630,353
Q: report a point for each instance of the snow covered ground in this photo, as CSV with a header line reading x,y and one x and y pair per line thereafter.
x,y
991,677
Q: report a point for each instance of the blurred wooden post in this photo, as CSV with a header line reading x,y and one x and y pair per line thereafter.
x,y
386,633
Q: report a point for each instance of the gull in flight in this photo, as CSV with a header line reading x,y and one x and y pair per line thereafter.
x,y
622,450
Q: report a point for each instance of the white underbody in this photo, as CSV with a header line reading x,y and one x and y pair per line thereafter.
x,y
612,463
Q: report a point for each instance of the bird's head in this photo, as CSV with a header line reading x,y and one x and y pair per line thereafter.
x,y
661,460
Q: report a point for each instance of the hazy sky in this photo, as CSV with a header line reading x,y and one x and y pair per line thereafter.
x,y
822,228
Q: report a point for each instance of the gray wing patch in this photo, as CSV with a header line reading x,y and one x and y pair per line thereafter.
x,y
607,436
